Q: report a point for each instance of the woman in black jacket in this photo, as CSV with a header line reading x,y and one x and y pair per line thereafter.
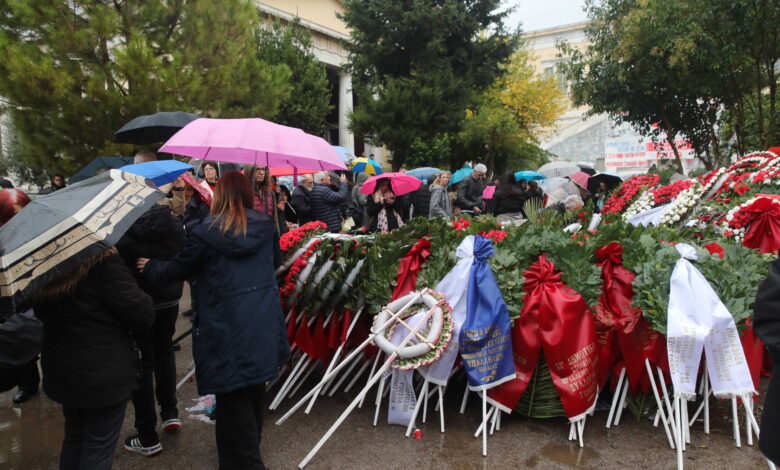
x,y
90,363
239,336
384,209
508,198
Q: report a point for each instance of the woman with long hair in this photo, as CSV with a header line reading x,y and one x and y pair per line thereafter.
x,y
89,361
441,203
239,336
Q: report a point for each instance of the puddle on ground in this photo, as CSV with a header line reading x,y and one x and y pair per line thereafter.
x,y
30,434
569,455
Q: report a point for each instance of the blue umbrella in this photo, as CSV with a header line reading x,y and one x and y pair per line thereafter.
x,y
160,172
90,169
346,154
423,173
461,174
529,175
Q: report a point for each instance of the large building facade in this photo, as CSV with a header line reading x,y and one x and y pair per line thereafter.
x,y
329,34
595,140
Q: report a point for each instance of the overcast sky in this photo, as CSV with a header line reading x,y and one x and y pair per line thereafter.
x,y
539,14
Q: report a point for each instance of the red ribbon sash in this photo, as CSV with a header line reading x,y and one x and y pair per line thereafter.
x,y
411,264
615,317
556,319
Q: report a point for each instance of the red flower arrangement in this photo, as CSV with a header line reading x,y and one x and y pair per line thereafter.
x,y
495,235
293,238
628,191
666,193
461,224
292,275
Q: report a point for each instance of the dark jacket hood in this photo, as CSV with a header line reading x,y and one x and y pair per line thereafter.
x,y
155,222
259,231
65,283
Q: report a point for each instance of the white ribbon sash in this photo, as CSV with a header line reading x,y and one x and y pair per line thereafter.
x,y
454,288
697,320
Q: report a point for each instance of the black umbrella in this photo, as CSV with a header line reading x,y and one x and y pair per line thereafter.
x,y
612,181
153,128
55,233
587,169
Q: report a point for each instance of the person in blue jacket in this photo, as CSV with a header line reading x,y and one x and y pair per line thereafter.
x,y
239,336
325,202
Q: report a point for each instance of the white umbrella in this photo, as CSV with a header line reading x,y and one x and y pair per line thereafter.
x,y
560,169
558,189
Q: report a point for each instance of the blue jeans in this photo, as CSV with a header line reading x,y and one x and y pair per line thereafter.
x,y
90,437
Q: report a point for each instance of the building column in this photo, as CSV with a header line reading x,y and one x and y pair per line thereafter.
x,y
346,138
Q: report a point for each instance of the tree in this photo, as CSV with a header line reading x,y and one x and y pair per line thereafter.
x,y
513,116
683,68
74,72
309,102
417,65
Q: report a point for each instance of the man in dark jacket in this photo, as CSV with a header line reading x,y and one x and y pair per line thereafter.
x,y
300,200
156,234
470,190
766,322
325,202
89,362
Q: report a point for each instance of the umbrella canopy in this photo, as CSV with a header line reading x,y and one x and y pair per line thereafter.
x,y
400,182
581,178
460,175
559,169
204,193
55,233
89,170
586,168
529,175
558,189
253,141
424,173
367,166
346,154
611,180
152,128
161,172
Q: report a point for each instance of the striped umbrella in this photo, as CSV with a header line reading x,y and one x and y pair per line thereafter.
x,y
55,233
367,166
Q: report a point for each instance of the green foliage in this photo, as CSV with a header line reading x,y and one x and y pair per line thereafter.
x,y
73,73
436,152
309,102
418,65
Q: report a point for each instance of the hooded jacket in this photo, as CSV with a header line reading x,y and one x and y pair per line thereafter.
x,y
239,336
156,234
421,204
440,203
88,358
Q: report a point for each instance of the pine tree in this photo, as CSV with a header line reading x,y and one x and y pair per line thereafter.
x,y
74,72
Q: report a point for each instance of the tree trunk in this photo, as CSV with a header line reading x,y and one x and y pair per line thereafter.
x,y
670,133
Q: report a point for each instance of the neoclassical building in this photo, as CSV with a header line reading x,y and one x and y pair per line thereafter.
x,y
328,36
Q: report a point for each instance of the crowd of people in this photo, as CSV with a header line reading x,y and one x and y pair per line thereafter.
x,y
108,326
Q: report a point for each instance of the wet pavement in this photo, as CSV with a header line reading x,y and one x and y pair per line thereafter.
x,y
31,433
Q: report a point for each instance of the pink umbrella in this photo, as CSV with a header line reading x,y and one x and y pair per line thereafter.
x,y
581,178
400,182
253,141
488,192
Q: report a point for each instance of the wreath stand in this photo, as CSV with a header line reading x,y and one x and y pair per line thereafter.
x,y
389,317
